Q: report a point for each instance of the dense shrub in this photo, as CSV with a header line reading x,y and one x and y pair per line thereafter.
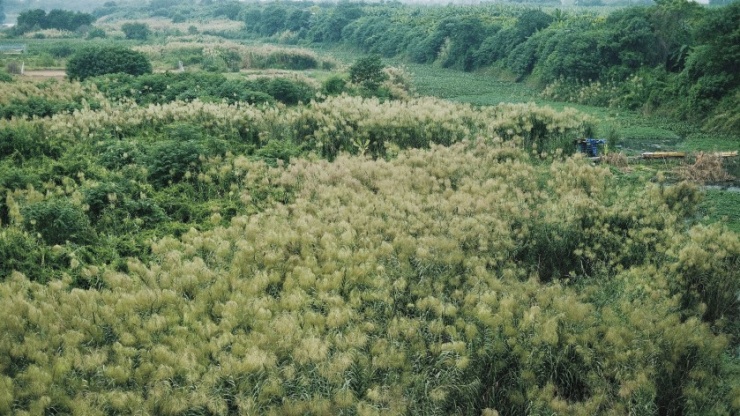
x,y
95,61
27,141
37,107
172,161
234,91
334,85
95,33
368,72
168,87
57,222
22,252
136,31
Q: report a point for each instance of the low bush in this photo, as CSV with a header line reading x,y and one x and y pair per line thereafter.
x,y
58,222
95,61
172,161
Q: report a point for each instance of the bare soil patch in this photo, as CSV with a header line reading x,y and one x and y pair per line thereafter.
x,y
46,73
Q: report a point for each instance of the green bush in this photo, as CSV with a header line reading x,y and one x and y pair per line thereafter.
x,y
276,150
286,91
22,253
94,61
215,64
334,85
28,141
289,60
234,91
96,33
58,221
114,155
368,72
171,161
37,107
136,31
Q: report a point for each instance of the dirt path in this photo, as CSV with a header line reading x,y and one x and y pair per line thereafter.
x,y
46,73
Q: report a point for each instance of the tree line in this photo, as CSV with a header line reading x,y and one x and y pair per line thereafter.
x,y
56,19
673,56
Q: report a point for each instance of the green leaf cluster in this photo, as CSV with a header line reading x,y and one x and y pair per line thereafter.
x,y
95,61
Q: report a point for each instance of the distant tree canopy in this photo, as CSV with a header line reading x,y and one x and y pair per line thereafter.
x,y
674,49
56,19
2,12
94,61
136,31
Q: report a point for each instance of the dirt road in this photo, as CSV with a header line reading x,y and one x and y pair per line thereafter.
x,y
46,73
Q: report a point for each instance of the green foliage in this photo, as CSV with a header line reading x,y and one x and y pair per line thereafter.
x,y
57,222
174,160
500,44
37,107
278,150
334,85
22,252
331,21
287,60
368,72
96,33
285,90
168,87
577,48
95,61
136,31
56,19
235,91
710,73
26,141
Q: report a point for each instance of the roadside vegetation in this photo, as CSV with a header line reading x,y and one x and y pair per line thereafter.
x,y
193,222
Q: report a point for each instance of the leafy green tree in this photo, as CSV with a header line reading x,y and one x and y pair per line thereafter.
x,y
94,61
628,42
30,19
573,56
273,20
298,20
672,22
368,72
230,10
499,45
137,31
465,36
56,19
330,24
711,69
252,18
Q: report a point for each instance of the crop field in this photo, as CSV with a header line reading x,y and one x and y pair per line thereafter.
x,y
239,221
